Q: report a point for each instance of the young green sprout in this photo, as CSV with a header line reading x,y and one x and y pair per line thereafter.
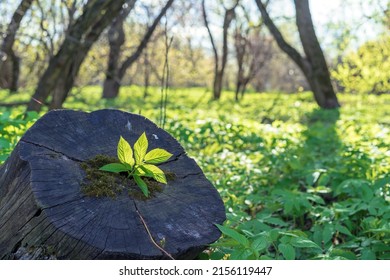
x,y
140,163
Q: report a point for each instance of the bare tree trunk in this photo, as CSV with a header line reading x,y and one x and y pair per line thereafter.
x,y
313,66
15,73
63,68
217,87
146,74
116,38
240,45
238,90
113,90
320,76
229,16
9,62
215,51
219,66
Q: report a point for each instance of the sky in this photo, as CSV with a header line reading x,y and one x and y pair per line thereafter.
x,y
324,12
345,14
354,12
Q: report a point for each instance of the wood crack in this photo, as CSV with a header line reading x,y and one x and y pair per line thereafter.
x,y
189,174
52,150
59,204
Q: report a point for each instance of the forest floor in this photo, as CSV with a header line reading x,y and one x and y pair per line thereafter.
x,y
298,182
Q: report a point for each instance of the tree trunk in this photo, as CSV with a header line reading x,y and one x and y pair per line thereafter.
x,y
111,87
240,45
9,61
219,66
229,16
116,38
244,85
238,90
217,87
313,66
120,71
46,213
15,73
319,75
63,68
146,74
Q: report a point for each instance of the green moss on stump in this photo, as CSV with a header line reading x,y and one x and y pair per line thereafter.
x,y
99,183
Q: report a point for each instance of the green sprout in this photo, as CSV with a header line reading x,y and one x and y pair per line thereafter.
x,y
139,164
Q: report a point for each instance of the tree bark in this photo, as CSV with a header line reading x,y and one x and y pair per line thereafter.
x,y
320,77
63,68
9,61
113,85
116,38
313,66
219,66
146,74
241,46
45,212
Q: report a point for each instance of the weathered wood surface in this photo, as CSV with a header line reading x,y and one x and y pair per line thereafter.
x,y
43,212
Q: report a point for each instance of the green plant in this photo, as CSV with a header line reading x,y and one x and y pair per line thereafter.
x,y
358,71
139,164
12,126
307,174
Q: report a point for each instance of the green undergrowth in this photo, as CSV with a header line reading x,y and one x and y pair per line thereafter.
x,y
298,182
13,124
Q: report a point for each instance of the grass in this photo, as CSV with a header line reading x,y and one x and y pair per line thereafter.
x,y
298,182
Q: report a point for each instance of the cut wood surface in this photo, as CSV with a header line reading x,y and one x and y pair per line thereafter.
x,y
44,213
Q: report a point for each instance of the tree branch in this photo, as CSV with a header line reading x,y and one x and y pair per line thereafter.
x,y
131,59
206,23
282,43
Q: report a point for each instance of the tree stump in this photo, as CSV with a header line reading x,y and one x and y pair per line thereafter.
x,y
45,214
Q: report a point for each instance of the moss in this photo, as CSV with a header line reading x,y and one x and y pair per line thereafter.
x,y
170,175
99,183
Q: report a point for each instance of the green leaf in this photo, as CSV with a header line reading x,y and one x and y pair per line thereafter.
x,y
260,243
140,148
367,254
343,229
155,172
142,185
125,153
4,143
139,171
343,253
273,235
288,207
276,221
228,243
234,234
327,233
217,255
302,242
114,167
242,254
287,251
383,230
156,156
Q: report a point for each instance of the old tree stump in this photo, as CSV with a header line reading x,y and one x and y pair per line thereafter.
x,y
44,212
